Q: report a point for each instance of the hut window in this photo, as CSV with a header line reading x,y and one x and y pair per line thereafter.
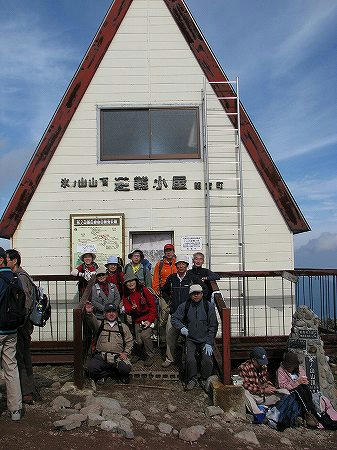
x,y
149,133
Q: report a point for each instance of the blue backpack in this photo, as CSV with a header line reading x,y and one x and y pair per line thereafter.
x,y
285,412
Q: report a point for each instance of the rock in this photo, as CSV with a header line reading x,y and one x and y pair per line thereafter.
x,y
138,416
286,441
216,426
165,428
124,411
68,387
153,410
247,436
60,423
107,403
149,427
192,434
60,402
94,419
78,406
175,432
91,409
77,417
72,425
167,416
211,411
56,386
109,425
125,428
140,439
171,408
68,411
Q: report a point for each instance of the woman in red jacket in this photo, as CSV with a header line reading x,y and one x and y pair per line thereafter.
x,y
139,303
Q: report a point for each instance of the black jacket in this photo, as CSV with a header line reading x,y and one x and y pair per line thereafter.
x,y
202,326
201,272
176,292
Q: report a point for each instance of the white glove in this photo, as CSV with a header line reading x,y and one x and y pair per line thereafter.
x,y
74,273
87,275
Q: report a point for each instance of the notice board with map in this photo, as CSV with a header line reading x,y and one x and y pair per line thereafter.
x,y
102,234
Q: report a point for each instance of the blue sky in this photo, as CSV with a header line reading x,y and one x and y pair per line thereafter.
x,y
284,53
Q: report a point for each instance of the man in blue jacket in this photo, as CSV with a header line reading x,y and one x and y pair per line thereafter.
x,y
8,339
196,319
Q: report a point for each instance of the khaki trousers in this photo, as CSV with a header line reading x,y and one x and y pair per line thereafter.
x,y
253,400
172,336
10,367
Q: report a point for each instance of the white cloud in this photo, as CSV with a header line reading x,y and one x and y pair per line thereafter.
x,y
319,252
310,147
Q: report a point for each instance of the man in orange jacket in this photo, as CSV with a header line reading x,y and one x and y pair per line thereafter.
x,y
164,268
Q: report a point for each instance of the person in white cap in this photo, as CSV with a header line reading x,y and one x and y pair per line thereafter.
x,y
176,291
85,271
196,320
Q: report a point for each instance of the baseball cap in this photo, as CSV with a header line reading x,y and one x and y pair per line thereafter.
x,y
110,307
195,288
168,247
260,355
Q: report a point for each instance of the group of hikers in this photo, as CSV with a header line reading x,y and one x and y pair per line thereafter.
x,y
127,306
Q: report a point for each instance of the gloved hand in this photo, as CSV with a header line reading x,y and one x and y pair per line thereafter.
x,y
74,273
208,349
87,275
184,331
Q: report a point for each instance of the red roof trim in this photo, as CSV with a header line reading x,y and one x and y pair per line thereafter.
x,y
249,136
212,70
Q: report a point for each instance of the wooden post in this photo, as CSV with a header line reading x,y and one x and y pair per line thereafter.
x,y
226,344
78,347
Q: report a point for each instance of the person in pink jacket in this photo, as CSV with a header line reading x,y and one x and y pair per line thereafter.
x,y
290,375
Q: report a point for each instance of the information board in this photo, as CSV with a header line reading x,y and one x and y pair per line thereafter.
x,y
191,243
308,333
102,234
300,344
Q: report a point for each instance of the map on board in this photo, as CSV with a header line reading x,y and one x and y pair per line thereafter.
x,y
99,234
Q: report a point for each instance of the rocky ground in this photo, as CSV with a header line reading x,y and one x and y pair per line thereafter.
x,y
144,414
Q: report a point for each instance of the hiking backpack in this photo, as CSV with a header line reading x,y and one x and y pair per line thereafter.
x,y
12,304
40,309
285,412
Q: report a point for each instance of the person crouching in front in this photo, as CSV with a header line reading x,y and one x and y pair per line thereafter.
x,y
112,345
139,303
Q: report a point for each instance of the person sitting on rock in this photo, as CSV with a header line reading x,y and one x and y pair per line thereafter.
x,y
139,303
196,319
112,345
103,293
258,389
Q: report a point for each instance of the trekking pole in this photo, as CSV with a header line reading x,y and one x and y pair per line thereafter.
x,y
185,375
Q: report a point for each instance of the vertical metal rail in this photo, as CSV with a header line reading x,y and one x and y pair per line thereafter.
x,y
57,310
66,308
283,304
265,304
206,174
334,278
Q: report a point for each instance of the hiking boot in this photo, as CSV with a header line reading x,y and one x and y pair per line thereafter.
x,y
203,385
17,415
28,399
148,362
166,363
310,420
125,379
191,384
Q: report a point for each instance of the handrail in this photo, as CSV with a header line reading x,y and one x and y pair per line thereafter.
x,y
276,273
223,360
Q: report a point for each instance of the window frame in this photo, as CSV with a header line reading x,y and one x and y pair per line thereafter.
x,y
149,157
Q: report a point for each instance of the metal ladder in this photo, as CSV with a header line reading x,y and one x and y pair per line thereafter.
x,y
235,96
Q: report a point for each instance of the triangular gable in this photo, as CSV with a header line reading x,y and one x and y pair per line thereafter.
x,y
78,86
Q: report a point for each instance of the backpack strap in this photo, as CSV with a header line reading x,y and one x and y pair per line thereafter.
x,y
95,340
120,328
161,265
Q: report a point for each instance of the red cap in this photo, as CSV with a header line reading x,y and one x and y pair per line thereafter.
x,y
168,247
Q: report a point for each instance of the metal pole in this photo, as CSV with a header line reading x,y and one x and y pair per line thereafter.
x,y
206,174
